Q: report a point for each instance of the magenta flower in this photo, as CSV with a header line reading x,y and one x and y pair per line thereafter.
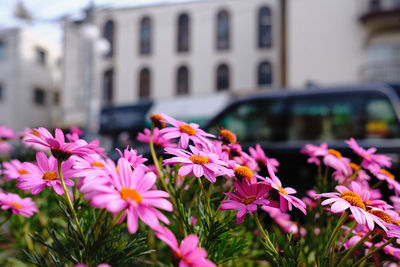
x,y
5,147
188,254
59,148
131,156
185,132
385,175
46,174
369,157
350,198
259,155
7,133
334,159
158,139
26,135
74,134
14,169
285,199
245,198
315,153
130,192
198,163
24,206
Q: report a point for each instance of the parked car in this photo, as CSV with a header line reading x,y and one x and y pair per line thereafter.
x,y
283,121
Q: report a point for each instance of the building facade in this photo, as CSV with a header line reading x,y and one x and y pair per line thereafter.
x,y
30,79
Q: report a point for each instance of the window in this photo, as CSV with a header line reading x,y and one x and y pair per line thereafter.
x,y
39,96
327,117
2,50
264,74
108,34
182,81
41,56
264,28
144,83
222,77
381,120
183,33
108,87
255,120
223,30
145,36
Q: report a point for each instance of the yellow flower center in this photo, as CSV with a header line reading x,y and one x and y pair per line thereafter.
x,y
23,171
179,255
35,133
282,191
131,193
156,119
184,128
227,136
388,174
197,159
97,164
353,198
243,172
354,166
249,200
380,214
50,176
335,153
16,205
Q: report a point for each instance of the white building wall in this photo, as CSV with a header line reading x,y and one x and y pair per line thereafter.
x,y
325,42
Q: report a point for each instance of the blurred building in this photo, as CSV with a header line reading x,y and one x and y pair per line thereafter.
x,y
185,59
29,79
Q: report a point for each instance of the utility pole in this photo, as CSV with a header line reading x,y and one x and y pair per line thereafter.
x,y
283,41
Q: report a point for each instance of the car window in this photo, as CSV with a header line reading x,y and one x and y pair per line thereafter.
x,y
254,121
327,117
381,120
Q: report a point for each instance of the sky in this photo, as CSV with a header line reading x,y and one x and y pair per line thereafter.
x,y
46,12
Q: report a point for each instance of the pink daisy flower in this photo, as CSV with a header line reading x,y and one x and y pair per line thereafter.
x,y
385,175
334,159
7,133
26,135
14,169
198,163
315,152
45,173
158,139
131,156
350,198
74,134
285,199
185,132
24,206
59,148
130,192
188,254
259,155
246,198
369,157
5,147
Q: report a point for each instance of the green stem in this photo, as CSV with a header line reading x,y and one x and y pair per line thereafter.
x,y
69,202
218,211
114,222
347,235
264,234
353,248
99,221
206,199
353,176
377,184
371,252
332,238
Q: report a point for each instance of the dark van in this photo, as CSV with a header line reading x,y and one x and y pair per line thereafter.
x,y
283,121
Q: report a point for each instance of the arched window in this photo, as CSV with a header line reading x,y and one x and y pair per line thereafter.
x,y
223,30
182,81
264,27
144,83
108,34
183,33
264,74
108,93
145,36
222,81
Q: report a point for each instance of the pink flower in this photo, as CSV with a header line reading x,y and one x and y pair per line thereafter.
x,y
158,139
132,156
283,220
285,199
24,206
384,175
130,192
185,132
334,159
246,198
5,147
350,198
74,134
14,169
259,155
26,135
46,174
315,152
198,163
7,133
188,254
59,148
369,157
